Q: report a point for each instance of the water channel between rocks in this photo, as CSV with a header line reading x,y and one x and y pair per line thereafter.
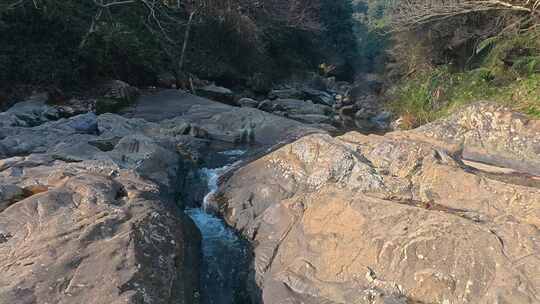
x,y
225,255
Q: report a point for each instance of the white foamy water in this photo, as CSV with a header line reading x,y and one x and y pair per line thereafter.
x,y
225,255
212,178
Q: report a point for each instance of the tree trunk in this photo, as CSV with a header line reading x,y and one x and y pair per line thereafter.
x,y
184,48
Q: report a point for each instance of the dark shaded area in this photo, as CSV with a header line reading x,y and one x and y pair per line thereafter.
x,y
51,45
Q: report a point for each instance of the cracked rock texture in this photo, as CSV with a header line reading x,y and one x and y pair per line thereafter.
x,y
84,222
448,213
89,209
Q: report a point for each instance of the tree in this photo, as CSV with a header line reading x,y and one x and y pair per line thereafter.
x,y
136,40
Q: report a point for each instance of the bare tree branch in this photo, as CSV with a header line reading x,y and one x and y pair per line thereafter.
x,y
408,14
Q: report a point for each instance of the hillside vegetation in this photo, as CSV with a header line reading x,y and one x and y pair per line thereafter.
x,y
69,43
442,55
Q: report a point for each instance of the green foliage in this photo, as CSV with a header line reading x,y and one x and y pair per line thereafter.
x,y
42,45
508,75
370,30
51,44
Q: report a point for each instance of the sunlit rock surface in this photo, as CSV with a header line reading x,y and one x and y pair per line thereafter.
x,y
410,217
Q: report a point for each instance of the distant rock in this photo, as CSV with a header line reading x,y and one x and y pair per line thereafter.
x,y
166,81
312,118
217,93
319,97
290,93
115,95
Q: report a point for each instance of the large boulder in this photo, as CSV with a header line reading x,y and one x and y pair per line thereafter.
x,y
29,113
401,218
489,133
92,232
22,141
115,95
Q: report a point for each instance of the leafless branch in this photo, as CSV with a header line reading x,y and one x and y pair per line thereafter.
x,y
407,14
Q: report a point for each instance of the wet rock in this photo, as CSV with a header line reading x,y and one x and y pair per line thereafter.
x,y
396,218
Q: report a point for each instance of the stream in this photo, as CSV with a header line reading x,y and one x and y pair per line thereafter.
x,y
225,255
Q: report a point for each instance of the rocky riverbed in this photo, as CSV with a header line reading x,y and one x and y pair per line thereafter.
x,y
106,208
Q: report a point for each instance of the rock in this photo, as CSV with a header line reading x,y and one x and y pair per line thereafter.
x,y
294,106
222,122
116,95
88,200
30,113
91,199
22,141
112,125
10,194
77,152
286,94
311,118
489,133
198,132
382,120
166,80
248,102
398,218
89,224
185,128
76,106
217,93
365,120
299,110
319,97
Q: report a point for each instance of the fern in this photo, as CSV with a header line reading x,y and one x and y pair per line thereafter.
x,y
486,44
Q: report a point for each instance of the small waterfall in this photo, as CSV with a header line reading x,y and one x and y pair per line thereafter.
x,y
225,255
212,177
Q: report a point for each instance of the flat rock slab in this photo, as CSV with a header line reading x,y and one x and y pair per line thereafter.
x,y
222,121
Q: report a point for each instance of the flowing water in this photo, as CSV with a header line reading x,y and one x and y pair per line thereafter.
x,y
225,262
